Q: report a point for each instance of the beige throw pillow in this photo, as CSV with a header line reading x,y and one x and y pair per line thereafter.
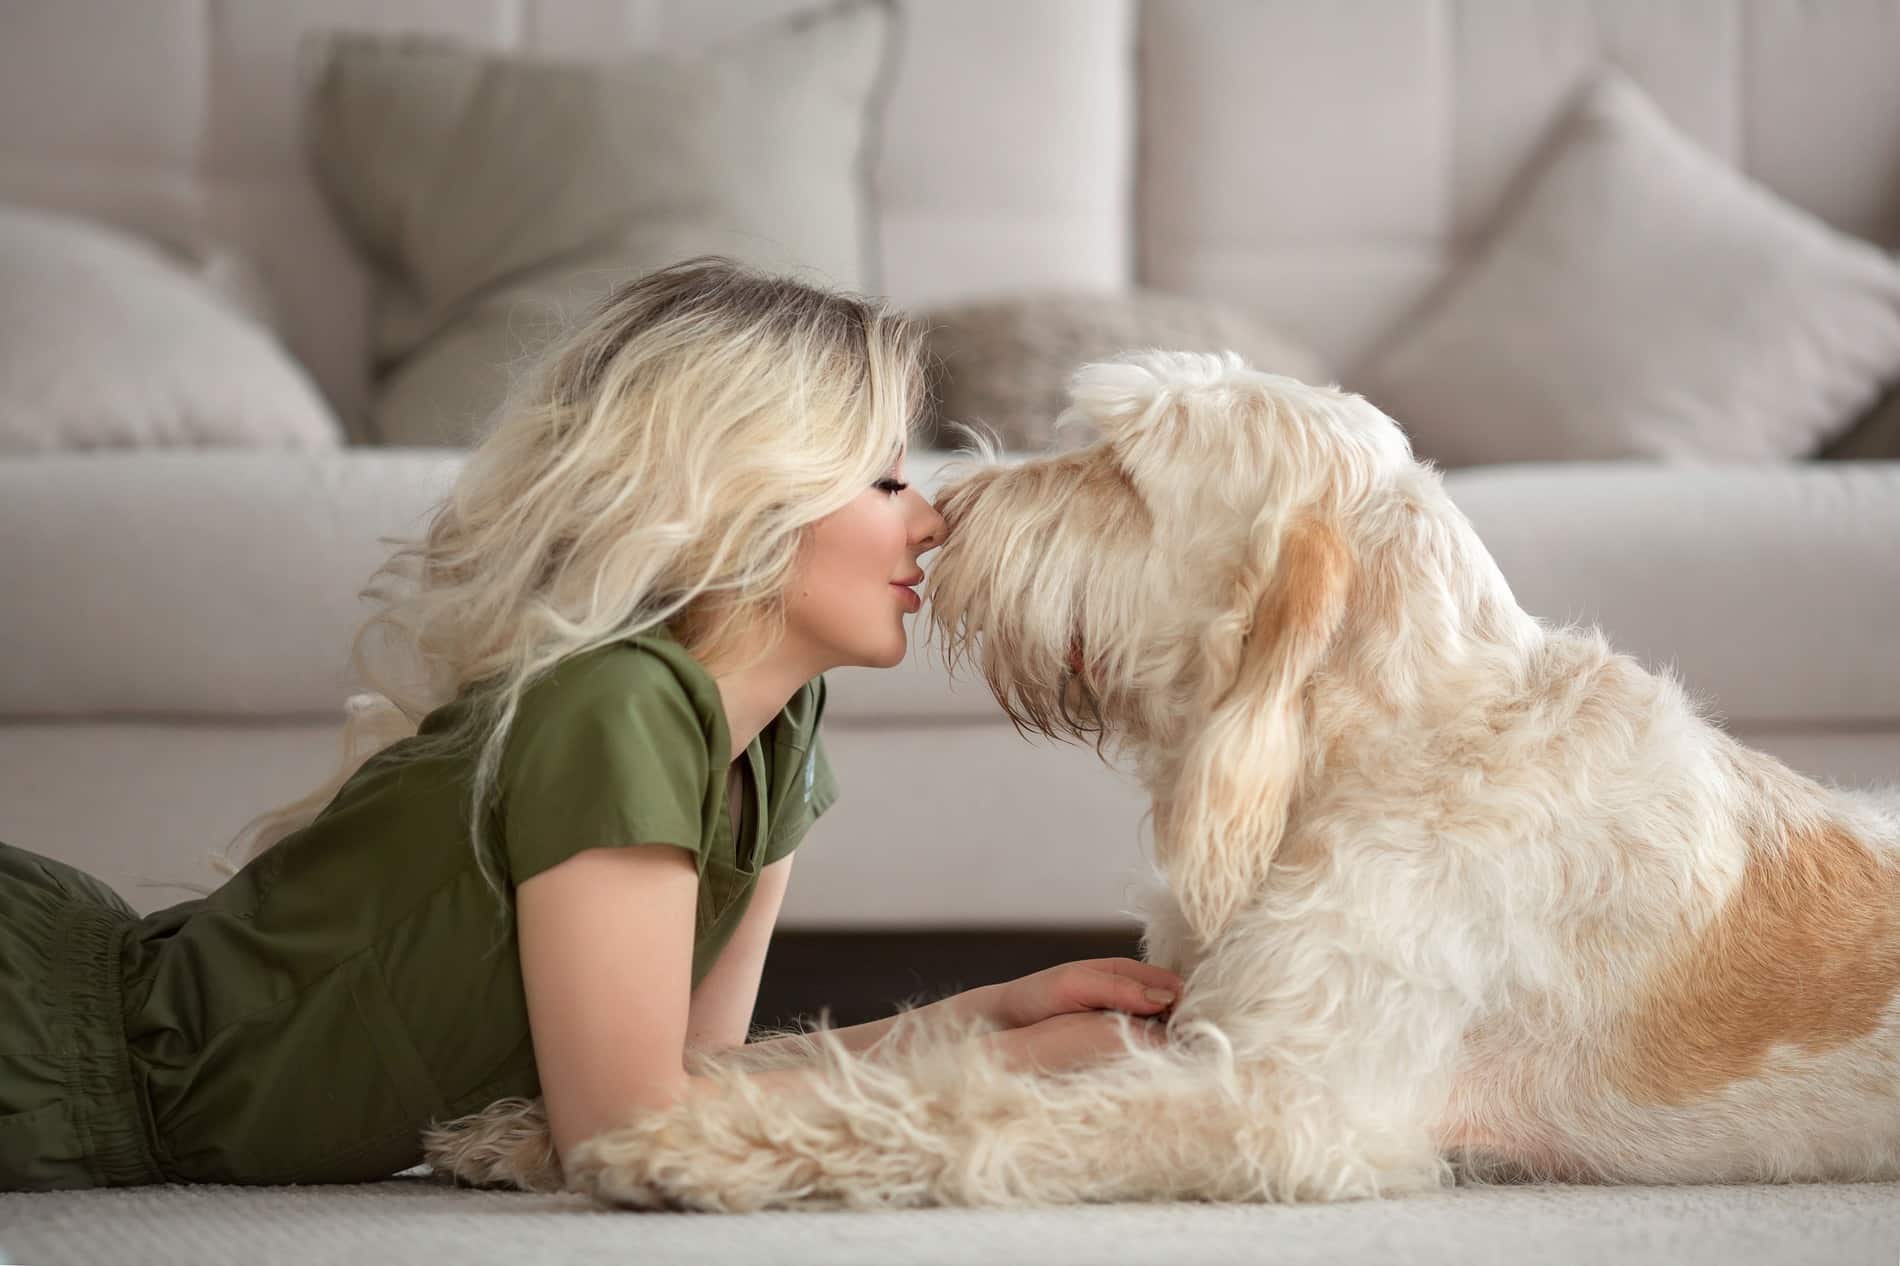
x,y
501,196
1005,364
108,342
1643,299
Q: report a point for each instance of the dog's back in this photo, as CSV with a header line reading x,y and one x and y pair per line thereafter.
x,y
1732,935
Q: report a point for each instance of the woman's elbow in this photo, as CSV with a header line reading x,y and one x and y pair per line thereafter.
x,y
581,1122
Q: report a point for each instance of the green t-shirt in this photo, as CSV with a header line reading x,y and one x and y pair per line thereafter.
x,y
627,744
360,978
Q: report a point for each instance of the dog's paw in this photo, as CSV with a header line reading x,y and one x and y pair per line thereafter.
x,y
506,1144
667,1161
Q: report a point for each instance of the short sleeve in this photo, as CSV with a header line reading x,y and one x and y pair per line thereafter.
x,y
605,751
812,787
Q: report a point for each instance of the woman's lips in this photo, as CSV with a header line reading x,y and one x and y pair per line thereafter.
x,y
911,601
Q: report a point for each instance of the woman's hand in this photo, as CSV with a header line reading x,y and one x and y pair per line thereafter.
x,y
1094,984
1073,1039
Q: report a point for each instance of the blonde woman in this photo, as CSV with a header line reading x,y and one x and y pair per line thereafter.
x,y
563,871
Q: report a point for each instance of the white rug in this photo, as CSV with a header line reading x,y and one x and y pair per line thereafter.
x,y
417,1222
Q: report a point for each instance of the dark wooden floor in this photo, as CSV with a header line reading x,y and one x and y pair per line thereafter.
x,y
866,975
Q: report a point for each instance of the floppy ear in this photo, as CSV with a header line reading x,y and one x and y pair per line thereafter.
x,y
1227,809
1137,402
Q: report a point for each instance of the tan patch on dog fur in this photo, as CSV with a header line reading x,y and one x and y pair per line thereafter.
x,y
1806,954
1313,575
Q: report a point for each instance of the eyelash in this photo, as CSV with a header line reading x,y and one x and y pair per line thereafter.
x,y
892,486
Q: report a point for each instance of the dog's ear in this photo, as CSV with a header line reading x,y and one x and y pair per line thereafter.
x,y
1227,809
1139,404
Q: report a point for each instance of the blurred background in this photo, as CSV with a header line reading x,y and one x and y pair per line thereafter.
x,y
1623,268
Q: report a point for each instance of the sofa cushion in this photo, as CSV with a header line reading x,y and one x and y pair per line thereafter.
x,y
111,343
1004,364
225,584
197,584
1643,299
1773,590
500,196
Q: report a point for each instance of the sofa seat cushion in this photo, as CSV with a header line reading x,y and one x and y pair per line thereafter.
x,y
214,584
225,584
1773,590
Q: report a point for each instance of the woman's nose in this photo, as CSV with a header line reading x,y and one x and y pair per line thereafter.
x,y
931,528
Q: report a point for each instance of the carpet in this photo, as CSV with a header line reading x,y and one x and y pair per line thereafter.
x,y
416,1220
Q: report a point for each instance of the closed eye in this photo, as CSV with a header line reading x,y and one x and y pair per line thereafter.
x,y
892,486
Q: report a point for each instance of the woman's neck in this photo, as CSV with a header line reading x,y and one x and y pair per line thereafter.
x,y
756,688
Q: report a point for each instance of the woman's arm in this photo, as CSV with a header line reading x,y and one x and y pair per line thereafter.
x,y
720,1014
970,1002
606,943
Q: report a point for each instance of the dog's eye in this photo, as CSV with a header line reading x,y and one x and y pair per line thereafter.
x,y
892,486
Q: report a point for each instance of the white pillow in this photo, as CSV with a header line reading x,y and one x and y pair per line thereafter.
x,y
1643,299
106,343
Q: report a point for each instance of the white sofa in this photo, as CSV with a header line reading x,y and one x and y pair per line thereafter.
x,y
174,624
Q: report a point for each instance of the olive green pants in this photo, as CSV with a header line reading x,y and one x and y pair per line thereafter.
x,y
69,1116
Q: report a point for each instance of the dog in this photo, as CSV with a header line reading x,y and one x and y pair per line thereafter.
x,y
1456,894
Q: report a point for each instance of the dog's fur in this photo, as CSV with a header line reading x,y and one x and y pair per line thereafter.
x,y
1453,891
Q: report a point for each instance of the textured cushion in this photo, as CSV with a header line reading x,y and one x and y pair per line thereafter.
x,y
105,342
1642,299
501,196
1006,363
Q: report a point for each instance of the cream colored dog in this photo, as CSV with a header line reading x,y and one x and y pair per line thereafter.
x,y
1453,891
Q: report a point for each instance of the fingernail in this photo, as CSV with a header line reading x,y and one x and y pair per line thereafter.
x,y
1162,996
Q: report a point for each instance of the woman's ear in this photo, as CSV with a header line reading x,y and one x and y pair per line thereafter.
x,y
1226,811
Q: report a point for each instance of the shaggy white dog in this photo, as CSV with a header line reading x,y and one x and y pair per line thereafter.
x,y
1452,890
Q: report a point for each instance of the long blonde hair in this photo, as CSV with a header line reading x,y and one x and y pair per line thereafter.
x,y
661,465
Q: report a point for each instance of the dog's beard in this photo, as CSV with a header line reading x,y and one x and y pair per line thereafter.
x,y
1049,584
1041,693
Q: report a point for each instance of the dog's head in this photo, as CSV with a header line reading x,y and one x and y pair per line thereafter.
x,y
1170,589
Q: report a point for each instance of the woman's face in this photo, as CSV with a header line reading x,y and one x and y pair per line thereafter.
x,y
856,581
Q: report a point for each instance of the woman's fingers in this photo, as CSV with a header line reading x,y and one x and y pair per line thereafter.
x,y
1065,1041
1140,975
1101,984
1147,973
1097,988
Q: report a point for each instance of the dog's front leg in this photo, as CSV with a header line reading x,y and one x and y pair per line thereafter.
x,y
1345,1026
939,1122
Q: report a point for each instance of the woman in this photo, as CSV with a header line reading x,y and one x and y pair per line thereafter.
x,y
568,871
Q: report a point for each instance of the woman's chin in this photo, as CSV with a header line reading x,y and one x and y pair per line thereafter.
x,y
890,656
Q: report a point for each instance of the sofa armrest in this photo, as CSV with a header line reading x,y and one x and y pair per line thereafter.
x,y
191,583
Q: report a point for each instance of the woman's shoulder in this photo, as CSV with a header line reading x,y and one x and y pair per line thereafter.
x,y
648,676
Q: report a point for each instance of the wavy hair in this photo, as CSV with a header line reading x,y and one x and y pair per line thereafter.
x,y
661,464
